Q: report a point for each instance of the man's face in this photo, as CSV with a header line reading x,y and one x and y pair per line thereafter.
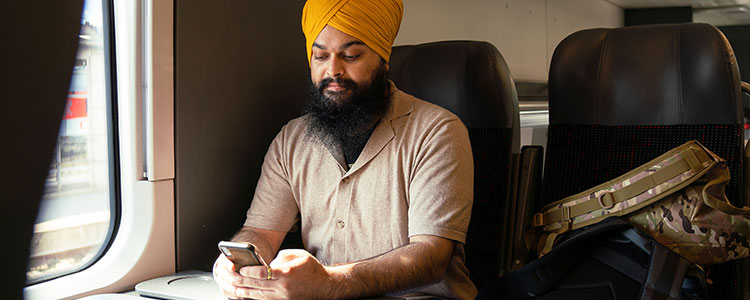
x,y
339,61
349,90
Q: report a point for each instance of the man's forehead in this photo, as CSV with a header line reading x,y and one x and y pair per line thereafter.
x,y
331,37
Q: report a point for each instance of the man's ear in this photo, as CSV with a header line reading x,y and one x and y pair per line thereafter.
x,y
387,67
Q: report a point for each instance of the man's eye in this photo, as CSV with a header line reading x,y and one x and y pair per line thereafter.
x,y
322,57
351,57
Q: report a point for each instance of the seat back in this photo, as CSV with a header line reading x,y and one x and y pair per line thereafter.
x,y
621,97
472,80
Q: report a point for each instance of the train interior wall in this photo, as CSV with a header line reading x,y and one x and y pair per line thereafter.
x,y
241,74
525,32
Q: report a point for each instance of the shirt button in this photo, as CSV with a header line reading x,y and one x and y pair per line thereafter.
x,y
341,224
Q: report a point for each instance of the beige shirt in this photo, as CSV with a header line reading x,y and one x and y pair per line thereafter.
x,y
414,177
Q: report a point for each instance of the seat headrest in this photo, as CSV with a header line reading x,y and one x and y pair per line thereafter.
x,y
469,78
645,75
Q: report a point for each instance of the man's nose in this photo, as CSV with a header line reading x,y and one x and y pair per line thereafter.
x,y
335,67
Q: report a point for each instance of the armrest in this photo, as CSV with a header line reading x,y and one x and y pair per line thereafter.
x,y
112,297
187,285
529,174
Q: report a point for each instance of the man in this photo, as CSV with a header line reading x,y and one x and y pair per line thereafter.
x,y
382,182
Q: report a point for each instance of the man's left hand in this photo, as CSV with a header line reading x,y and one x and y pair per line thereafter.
x,y
295,274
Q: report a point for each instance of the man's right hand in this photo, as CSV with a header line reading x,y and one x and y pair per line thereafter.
x,y
296,274
231,283
224,275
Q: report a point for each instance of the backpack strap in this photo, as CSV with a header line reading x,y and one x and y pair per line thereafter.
x,y
666,272
541,275
662,280
636,189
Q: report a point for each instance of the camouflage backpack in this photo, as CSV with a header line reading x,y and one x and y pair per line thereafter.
x,y
677,199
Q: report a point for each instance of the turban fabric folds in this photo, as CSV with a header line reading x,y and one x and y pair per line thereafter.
x,y
374,22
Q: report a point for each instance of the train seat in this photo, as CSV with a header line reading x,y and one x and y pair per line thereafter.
x,y
620,97
472,80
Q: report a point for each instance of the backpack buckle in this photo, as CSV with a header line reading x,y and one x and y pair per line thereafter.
x,y
538,220
606,200
565,214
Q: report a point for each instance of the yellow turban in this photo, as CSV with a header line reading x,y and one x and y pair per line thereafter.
x,y
374,22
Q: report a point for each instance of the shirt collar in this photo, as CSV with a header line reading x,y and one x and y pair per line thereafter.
x,y
401,105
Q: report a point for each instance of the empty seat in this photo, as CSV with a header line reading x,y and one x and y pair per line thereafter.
x,y
621,97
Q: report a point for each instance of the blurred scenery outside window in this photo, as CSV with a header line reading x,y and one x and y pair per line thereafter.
x,y
74,215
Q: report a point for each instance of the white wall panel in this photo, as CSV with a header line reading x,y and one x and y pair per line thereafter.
x,y
567,16
525,31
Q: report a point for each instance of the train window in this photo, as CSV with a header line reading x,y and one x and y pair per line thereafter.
x,y
77,214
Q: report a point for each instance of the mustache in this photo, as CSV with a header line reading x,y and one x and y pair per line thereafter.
x,y
344,83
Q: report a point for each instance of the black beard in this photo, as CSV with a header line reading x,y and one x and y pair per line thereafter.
x,y
347,122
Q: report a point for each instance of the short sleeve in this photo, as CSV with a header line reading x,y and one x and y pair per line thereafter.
x,y
442,184
273,206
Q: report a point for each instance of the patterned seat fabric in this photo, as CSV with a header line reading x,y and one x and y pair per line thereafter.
x,y
491,148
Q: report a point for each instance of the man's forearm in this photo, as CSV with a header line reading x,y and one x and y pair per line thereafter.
x,y
421,262
266,242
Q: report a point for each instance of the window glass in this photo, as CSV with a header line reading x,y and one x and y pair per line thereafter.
x,y
73,224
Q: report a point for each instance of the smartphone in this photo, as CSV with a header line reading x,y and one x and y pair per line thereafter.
x,y
241,254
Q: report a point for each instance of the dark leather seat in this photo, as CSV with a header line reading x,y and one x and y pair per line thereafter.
x,y
620,97
472,80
